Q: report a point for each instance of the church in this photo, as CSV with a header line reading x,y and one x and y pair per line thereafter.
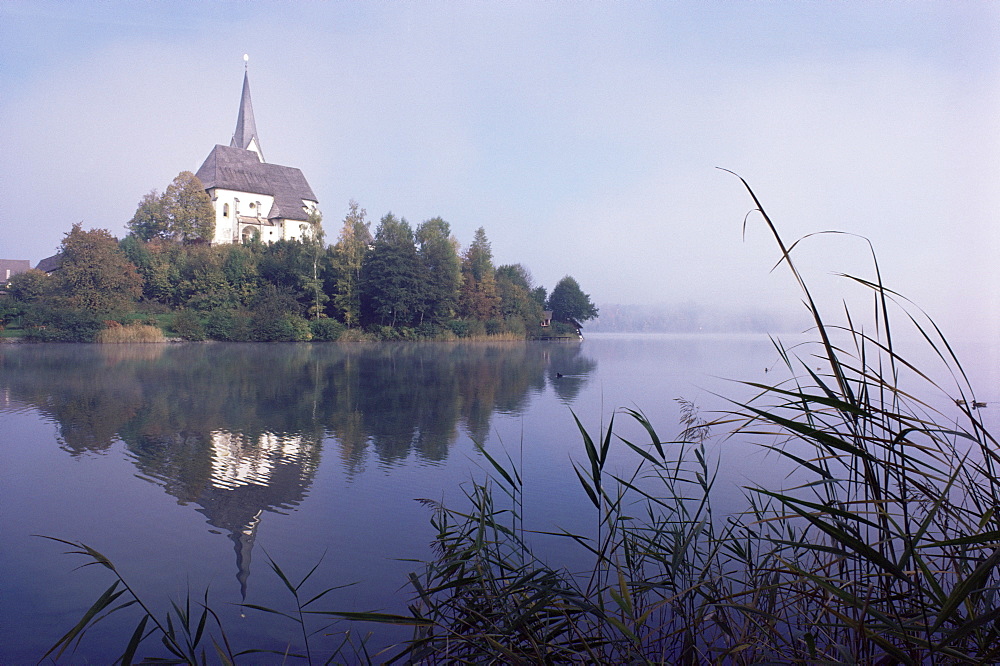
x,y
253,196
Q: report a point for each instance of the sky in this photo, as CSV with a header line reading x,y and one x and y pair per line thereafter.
x,y
586,138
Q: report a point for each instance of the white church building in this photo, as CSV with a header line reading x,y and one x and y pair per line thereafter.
x,y
250,195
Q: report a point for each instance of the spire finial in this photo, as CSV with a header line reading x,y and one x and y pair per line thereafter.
x,y
246,61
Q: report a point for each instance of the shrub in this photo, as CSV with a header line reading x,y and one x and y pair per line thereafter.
x,y
60,324
187,326
285,327
326,329
467,328
229,325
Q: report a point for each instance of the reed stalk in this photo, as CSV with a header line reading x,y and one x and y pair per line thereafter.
x,y
133,333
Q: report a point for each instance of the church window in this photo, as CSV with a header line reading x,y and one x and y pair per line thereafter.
x,y
225,210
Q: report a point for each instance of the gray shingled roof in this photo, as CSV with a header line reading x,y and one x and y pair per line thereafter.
x,y
15,266
49,264
241,170
246,128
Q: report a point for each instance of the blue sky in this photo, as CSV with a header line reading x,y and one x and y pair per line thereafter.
x,y
583,136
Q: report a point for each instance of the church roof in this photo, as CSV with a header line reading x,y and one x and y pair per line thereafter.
x,y
246,128
242,171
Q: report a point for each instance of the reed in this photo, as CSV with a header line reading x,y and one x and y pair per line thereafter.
x,y
886,549
133,333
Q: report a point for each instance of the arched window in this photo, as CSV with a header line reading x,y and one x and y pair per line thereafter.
x,y
225,210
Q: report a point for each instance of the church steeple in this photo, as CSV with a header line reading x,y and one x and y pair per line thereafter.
x,y
246,136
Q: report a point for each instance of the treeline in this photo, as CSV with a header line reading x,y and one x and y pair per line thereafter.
x,y
398,283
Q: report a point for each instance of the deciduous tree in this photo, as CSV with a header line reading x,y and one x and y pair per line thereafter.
x,y
440,270
184,212
348,257
95,274
568,301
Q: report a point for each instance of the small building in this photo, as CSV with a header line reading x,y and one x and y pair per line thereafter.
x,y
11,267
253,196
50,265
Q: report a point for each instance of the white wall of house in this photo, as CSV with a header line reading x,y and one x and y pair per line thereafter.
x,y
229,204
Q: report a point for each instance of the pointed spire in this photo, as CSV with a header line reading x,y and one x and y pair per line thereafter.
x,y
246,129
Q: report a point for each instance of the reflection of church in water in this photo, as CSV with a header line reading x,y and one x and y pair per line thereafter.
x,y
249,476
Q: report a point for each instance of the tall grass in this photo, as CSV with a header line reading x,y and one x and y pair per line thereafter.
x,y
885,550
129,334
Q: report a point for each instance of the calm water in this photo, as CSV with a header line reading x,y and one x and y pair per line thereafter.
x,y
189,465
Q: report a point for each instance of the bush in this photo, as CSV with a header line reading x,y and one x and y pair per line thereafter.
x,y
229,325
493,327
326,330
285,327
467,328
187,326
48,324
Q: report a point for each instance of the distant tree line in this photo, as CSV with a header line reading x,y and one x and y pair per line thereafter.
x,y
399,282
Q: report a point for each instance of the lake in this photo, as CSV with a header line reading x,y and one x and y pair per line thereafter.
x,y
189,465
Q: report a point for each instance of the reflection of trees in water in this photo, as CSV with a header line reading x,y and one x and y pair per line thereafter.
x,y
239,429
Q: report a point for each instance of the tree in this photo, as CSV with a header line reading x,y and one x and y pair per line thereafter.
x,y
188,209
149,221
348,257
568,301
440,270
31,286
391,289
515,289
478,298
184,212
315,283
95,274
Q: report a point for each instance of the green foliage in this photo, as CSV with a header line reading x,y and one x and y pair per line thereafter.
x,y
203,282
187,326
48,323
239,265
467,328
182,213
391,289
95,274
273,319
326,329
32,286
346,263
478,298
150,220
229,325
398,278
520,309
440,270
568,302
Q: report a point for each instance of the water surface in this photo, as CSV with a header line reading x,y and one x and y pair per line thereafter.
x,y
190,464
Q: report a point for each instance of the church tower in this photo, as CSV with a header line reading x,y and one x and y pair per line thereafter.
x,y
251,196
245,136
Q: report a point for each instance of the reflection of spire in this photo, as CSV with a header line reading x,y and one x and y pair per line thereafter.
x,y
250,474
244,539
